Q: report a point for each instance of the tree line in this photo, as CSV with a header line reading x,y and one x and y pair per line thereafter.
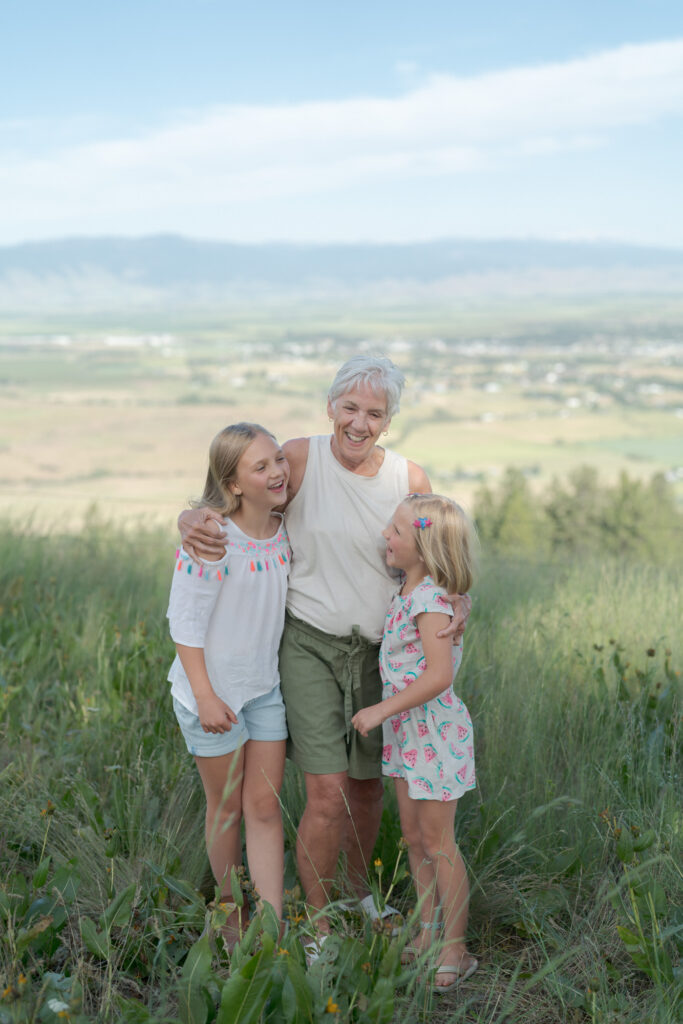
x,y
582,516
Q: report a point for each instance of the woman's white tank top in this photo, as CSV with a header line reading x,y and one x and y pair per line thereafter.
x,y
338,576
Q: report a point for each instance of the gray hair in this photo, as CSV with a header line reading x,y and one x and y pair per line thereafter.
x,y
377,372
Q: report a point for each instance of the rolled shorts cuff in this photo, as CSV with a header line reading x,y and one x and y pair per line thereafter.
x,y
262,719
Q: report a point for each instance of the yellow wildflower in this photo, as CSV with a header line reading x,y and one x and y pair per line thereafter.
x,y
331,1006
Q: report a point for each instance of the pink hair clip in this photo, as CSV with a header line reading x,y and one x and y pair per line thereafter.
x,y
422,522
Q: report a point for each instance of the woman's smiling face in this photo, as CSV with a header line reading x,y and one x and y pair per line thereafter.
x,y
359,417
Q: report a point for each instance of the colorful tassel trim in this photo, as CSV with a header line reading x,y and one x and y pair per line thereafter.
x,y
202,571
207,574
260,565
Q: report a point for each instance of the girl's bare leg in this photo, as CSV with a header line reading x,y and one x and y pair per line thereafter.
x,y
421,866
264,768
436,825
222,781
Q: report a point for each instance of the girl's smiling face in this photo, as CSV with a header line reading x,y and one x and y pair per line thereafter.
x,y
402,550
262,474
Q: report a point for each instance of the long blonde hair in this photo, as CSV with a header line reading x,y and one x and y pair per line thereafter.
x,y
225,452
446,542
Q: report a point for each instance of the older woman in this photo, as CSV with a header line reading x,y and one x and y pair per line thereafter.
x,y
343,489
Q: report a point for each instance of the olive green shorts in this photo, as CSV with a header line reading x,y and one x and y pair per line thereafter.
x,y
324,680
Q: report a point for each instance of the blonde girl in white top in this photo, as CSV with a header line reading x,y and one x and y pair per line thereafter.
x,y
226,619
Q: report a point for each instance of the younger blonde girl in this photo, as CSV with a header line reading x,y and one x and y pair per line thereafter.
x,y
428,747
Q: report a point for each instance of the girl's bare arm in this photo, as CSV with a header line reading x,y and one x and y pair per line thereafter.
x,y
437,676
214,714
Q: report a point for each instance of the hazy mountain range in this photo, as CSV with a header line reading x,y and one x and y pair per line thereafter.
x,y
93,273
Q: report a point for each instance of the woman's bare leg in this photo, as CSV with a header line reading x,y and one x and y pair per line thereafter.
x,y
320,838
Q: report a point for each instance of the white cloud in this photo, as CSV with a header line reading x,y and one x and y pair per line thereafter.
x,y
447,125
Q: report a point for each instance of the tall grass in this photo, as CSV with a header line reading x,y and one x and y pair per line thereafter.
x,y
573,836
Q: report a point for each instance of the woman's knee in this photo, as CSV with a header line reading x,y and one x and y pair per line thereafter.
x,y
327,798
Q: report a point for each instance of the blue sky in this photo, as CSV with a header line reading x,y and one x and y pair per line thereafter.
x,y
342,122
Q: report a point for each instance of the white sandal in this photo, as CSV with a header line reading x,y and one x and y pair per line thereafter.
x,y
367,906
313,948
460,974
411,953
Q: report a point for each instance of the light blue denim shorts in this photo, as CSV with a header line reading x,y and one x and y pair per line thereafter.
x,y
262,718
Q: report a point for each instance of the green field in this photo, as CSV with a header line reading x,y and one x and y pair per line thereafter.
x,y
573,837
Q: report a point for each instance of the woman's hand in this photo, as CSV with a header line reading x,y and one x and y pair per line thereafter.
x,y
368,718
201,534
214,714
462,606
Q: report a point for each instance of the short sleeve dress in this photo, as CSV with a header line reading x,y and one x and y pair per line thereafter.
x,y
430,746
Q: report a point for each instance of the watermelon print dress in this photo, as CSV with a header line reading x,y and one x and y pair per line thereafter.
x,y
431,745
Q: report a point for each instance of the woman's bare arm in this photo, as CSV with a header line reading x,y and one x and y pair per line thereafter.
x,y
462,606
201,532
418,481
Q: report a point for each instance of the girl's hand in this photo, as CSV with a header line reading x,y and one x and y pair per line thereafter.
x,y
201,534
214,714
368,718
462,606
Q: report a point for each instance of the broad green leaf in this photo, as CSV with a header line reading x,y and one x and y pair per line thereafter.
x,y
193,1004
246,992
381,1005
296,992
627,936
236,888
119,910
182,888
192,995
197,966
95,942
25,936
645,841
67,881
565,860
625,847
40,874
